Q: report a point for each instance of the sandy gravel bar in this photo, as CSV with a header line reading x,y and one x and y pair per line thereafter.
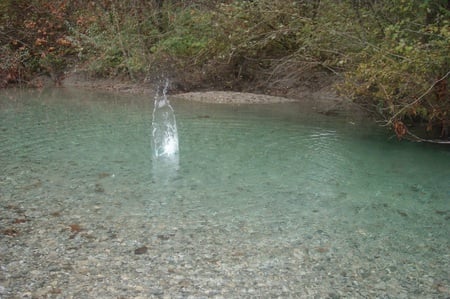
x,y
227,97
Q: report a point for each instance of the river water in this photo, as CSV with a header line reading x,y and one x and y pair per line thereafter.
x,y
262,201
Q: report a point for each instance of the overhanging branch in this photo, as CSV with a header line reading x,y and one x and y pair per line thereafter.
x,y
392,119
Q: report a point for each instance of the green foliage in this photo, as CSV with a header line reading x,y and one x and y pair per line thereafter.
x,y
393,56
281,43
127,37
261,29
404,77
188,34
114,35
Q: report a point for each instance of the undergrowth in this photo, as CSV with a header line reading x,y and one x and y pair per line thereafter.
x,y
391,57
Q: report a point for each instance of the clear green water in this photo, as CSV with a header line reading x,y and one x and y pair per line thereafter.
x,y
331,202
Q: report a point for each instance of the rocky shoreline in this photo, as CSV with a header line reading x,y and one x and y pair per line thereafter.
x,y
228,97
324,101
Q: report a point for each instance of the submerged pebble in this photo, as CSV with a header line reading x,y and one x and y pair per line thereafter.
x,y
141,250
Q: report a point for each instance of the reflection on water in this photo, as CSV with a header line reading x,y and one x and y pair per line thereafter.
x,y
165,151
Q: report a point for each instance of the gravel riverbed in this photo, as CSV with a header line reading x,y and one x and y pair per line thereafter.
x,y
71,229
73,239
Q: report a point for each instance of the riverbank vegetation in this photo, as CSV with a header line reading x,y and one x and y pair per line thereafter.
x,y
391,57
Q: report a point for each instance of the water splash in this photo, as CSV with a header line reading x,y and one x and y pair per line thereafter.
x,y
165,149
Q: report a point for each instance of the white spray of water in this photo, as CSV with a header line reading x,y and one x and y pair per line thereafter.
x,y
165,149
164,126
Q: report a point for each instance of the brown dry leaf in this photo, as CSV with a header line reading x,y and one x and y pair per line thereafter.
x,y
75,228
12,232
20,220
400,129
322,249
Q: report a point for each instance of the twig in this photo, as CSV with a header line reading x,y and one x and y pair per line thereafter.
x,y
418,99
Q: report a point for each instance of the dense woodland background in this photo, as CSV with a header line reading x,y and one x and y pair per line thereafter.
x,y
390,56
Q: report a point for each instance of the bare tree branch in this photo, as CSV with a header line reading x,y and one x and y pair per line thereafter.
x,y
418,99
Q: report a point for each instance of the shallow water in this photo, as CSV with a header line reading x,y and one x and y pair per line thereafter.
x,y
264,201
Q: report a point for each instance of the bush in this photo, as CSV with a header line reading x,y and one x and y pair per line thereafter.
x,y
392,57
404,77
279,44
36,31
187,35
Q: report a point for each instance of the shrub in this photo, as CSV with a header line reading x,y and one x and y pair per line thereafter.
x,y
36,31
404,77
